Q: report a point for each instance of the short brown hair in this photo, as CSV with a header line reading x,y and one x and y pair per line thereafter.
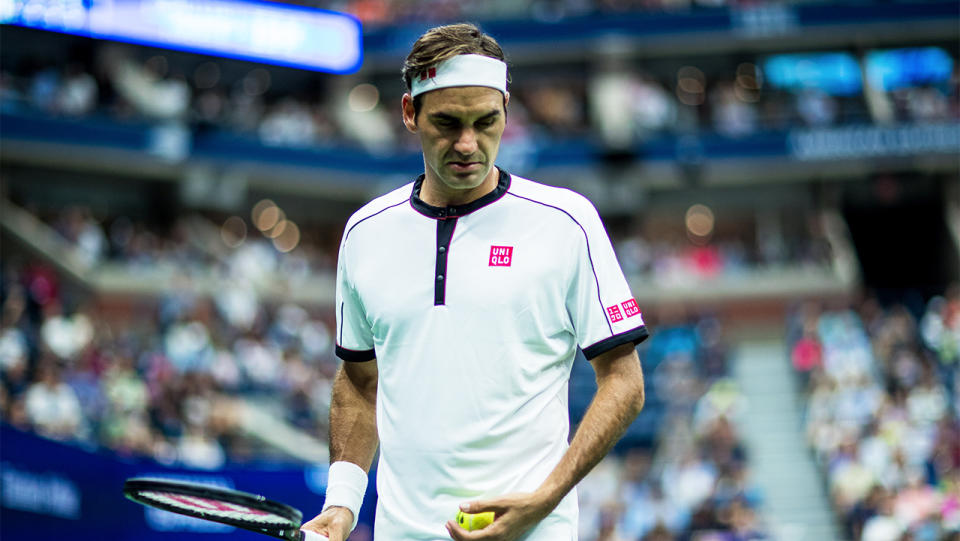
x,y
442,42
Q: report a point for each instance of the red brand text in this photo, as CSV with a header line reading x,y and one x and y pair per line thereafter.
x,y
501,256
614,313
630,308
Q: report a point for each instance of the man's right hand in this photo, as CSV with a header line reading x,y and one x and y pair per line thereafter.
x,y
334,523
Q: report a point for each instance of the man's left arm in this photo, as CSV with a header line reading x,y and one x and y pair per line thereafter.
x,y
618,400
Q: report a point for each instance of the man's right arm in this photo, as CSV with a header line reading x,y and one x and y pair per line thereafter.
x,y
353,435
353,414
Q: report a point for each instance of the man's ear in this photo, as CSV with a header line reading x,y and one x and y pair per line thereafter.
x,y
409,113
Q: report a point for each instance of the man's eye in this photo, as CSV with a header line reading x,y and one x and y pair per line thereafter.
x,y
446,123
486,123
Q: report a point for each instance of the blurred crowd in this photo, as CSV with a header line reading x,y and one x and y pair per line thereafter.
x,y
194,246
882,414
383,12
677,258
132,242
617,103
169,381
693,482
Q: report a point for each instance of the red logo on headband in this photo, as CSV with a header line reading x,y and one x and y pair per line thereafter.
x,y
429,74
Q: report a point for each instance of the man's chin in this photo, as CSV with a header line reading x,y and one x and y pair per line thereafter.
x,y
467,180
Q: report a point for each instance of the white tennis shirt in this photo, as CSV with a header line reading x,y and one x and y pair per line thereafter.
x,y
474,314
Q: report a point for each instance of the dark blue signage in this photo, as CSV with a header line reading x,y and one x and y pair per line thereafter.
x,y
51,490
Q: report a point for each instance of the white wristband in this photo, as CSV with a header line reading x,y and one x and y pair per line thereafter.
x,y
346,485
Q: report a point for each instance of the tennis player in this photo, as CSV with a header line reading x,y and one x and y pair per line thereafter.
x,y
461,300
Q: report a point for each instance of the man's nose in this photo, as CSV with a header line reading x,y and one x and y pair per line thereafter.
x,y
467,142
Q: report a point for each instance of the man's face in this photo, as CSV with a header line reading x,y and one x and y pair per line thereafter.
x,y
459,129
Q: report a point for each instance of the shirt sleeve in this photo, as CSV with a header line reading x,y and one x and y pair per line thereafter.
x,y
604,313
354,335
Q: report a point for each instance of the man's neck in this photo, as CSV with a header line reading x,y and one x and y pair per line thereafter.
x,y
436,194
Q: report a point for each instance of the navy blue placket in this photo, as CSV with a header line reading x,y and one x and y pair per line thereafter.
x,y
445,227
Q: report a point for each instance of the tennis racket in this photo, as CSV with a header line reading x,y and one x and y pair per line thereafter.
x,y
241,509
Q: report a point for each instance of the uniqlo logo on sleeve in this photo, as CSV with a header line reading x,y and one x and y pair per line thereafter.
x,y
614,313
501,256
630,308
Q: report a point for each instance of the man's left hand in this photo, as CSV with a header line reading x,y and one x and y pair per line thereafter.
x,y
514,515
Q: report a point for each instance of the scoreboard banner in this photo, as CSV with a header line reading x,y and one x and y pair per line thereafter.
x,y
272,33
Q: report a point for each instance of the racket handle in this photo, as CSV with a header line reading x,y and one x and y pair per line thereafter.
x,y
311,536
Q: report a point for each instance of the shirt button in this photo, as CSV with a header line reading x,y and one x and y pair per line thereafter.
x,y
439,277
442,249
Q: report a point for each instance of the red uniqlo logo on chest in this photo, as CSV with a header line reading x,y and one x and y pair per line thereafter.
x,y
614,313
630,308
501,256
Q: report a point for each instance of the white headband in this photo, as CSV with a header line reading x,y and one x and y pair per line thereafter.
x,y
462,70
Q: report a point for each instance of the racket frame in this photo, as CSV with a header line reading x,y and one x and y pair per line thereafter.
x,y
134,487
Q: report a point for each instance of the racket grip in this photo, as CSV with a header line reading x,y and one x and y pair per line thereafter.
x,y
311,536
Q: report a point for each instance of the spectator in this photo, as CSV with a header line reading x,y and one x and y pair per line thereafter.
x,y
148,88
654,108
52,406
14,347
883,526
288,123
731,115
187,345
610,96
816,108
196,449
78,93
807,355
556,105
649,510
43,90
361,117
65,332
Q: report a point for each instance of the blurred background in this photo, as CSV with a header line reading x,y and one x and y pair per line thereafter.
x,y
780,180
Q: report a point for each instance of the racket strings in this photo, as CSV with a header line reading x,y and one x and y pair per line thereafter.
x,y
216,508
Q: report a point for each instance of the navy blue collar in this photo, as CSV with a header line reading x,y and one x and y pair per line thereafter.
x,y
454,211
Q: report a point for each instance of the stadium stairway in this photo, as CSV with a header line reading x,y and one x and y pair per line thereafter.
x,y
796,503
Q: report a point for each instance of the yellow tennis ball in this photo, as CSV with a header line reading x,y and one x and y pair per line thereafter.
x,y
474,521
